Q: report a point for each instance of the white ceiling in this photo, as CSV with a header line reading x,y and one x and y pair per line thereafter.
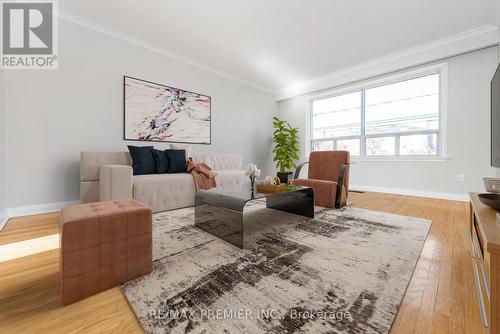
x,y
277,43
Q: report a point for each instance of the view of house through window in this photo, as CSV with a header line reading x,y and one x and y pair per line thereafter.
x,y
396,119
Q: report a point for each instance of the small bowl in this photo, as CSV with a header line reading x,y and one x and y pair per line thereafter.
x,y
491,200
492,184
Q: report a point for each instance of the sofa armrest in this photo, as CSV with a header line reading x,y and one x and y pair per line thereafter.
x,y
115,182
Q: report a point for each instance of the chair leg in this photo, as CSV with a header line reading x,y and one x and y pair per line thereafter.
x,y
338,197
340,184
341,199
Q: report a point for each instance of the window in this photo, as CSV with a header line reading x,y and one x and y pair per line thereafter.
x,y
393,119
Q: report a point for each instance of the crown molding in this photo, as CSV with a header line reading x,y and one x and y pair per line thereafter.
x,y
76,19
467,41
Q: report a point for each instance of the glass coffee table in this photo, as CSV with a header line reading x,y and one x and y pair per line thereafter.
x,y
219,211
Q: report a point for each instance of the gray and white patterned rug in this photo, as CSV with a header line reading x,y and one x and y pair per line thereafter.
x,y
345,271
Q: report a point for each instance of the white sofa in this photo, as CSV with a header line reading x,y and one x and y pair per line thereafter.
x,y
108,176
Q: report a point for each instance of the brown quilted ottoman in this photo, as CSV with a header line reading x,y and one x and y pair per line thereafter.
x,y
103,245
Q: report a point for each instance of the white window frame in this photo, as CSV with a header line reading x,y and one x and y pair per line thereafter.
x,y
441,69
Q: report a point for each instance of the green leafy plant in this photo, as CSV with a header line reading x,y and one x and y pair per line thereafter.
x,y
286,145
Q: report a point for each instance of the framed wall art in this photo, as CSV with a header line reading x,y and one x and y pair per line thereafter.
x,y
155,112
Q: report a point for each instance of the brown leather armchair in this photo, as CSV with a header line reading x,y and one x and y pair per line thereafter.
x,y
328,175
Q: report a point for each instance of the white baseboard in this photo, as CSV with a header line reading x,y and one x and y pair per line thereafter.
x,y
37,209
407,192
54,207
3,219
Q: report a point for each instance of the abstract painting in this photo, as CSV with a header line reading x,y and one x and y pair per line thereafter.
x,y
155,112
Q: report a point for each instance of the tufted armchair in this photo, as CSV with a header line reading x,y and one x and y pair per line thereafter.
x,y
328,175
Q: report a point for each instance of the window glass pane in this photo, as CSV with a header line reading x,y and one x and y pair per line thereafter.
x,y
380,146
337,116
351,145
324,145
418,144
403,106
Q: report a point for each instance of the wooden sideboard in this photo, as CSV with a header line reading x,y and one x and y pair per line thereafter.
x,y
485,249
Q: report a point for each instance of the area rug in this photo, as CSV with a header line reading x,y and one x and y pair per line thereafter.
x,y
345,271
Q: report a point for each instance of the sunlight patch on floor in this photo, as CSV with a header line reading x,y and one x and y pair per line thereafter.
x,y
28,247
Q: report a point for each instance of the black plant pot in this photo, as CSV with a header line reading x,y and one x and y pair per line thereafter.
x,y
284,177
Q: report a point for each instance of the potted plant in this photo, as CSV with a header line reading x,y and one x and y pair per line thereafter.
x,y
286,148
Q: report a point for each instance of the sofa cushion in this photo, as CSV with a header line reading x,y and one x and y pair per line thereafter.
x,y
219,161
176,161
164,192
161,161
142,159
230,177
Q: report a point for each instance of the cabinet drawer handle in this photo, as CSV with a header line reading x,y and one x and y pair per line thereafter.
x,y
472,246
478,250
480,296
486,284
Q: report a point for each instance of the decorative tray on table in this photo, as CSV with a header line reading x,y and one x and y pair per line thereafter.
x,y
270,188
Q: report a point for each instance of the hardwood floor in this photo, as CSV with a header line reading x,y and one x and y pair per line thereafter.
x,y
441,296
29,227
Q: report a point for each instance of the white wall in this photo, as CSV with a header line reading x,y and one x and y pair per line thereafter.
x,y
468,139
3,212
53,115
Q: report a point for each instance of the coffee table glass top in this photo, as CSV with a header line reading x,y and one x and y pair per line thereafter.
x,y
219,211
243,192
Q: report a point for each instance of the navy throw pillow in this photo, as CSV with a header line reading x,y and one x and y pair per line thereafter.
x,y
176,161
161,161
142,159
